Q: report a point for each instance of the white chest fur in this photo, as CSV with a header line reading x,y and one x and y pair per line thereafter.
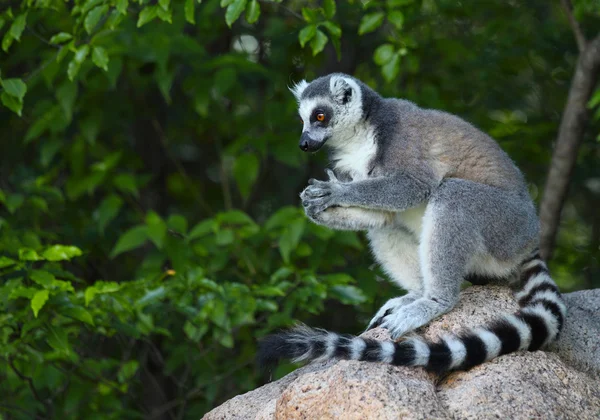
x,y
354,153
412,219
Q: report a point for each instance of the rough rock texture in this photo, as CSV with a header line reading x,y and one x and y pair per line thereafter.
x,y
563,384
579,345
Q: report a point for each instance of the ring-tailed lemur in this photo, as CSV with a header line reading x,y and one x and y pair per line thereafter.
x,y
441,203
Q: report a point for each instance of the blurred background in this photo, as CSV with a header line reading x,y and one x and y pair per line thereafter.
x,y
150,228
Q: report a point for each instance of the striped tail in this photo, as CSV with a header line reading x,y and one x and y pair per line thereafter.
x,y
536,324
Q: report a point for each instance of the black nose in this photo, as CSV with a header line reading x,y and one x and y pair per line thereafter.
x,y
307,144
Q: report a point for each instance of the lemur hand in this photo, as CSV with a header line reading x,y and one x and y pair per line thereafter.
x,y
320,195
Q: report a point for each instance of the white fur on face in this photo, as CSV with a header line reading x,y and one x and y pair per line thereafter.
x,y
298,88
307,106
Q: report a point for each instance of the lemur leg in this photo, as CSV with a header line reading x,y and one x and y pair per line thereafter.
x,y
397,252
463,221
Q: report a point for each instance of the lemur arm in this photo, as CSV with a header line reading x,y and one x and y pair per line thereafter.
x,y
394,193
349,218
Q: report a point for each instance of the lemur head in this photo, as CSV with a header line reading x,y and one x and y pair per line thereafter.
x,y
330,107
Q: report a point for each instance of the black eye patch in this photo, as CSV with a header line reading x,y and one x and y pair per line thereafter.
x,y
327,114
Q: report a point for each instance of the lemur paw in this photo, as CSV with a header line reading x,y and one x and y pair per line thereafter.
x,y
387,316
320,195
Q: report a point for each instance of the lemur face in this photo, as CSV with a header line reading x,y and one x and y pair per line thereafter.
x,y
329,108
317,123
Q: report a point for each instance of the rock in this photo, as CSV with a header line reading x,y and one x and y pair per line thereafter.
x,y
579,344
354,390
521,386
563,384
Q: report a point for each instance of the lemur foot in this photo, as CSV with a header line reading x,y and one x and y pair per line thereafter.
x,y
385,314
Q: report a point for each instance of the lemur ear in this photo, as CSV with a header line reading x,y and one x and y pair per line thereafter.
x,y
298,88
342,89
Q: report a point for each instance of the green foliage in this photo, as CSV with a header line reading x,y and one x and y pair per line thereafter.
x,y
149,177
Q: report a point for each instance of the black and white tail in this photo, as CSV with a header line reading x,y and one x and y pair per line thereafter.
x,y
536,324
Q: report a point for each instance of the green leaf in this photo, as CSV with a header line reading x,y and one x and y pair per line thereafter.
x,y
100,287
60,37
396,3
310,15
38,301
189,9
100,58
203,228
146,15
39,203
224,237
252,11
43,278
370,22
128,370
270,291
306,34
93,18
164,4
12,103
28,254
157,229
396,18
133,238
13,202
2,196
329,8
23,292
61,253
318,42
164,15
66,95
58,339
121,6
14,87
178,223
349,295
234,217
245,172
7,41
48,281
383,54
17,27
290,238
391,68
283,217
333,29
64,50
126,183
79,313
80,55
234,10
6,262
595,101
107,211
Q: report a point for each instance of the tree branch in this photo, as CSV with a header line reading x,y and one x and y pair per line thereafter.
x,y
579,37
570,134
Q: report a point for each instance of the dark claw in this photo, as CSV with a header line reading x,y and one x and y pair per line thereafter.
x,y
380,320
375,324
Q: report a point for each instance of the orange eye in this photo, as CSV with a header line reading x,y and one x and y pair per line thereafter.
x,y
320,117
